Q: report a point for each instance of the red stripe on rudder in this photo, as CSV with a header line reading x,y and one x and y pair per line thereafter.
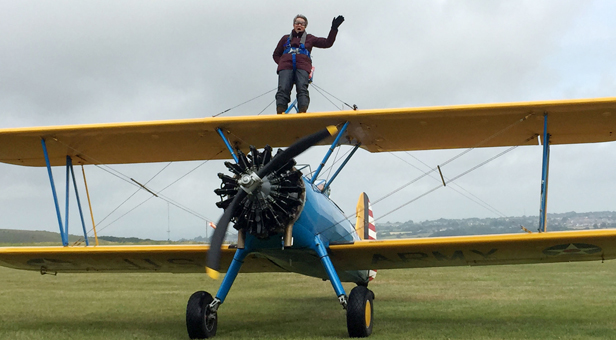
x,y
371,226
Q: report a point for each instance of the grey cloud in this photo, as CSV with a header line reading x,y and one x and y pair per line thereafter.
x,y
71,62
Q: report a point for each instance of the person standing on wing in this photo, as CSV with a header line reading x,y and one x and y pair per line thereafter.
x,y
294,64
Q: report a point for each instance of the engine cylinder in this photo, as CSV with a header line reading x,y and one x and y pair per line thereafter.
x,y
271,206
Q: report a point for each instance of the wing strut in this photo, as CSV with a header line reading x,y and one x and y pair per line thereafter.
x,y
340,168
222,135
329,152
85,182
69,171
293,105
544,176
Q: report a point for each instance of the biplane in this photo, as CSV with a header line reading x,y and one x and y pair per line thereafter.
x,y
285,219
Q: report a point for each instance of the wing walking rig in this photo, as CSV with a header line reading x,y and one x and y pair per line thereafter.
x,y
285,219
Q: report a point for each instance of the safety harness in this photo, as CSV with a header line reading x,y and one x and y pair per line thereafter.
x,y
295,50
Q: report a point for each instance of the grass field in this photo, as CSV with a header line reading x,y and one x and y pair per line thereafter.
x,y
556,301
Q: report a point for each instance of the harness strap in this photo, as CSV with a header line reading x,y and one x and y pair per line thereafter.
x,y
295,50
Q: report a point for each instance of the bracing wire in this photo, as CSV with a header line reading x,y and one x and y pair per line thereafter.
x,y
458,156
248,101
332,166
451,159
159,195
489,138
354,107
333,163
476,199
451,180
317,88
129,180
133,194
265,108
168,200
463,153
427,192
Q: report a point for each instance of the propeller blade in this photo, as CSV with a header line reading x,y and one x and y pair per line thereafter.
x,y
213,255
301,145
295,149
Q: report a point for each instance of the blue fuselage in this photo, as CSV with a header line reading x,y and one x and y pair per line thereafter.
x,y
320,220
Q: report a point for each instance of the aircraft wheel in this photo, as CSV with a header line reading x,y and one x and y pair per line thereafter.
x,y
360,312
200,322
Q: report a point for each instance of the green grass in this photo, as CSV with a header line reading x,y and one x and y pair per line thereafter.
x,y
556,301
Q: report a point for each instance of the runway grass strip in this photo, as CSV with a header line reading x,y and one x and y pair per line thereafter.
x,y
552,301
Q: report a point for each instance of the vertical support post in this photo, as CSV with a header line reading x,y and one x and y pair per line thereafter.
x,y
544,176
69,161
53,191
329,268
234,269
341,166
85,182
83,223
329,153
224,139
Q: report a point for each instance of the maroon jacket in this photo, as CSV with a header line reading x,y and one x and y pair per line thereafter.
x,y
303,62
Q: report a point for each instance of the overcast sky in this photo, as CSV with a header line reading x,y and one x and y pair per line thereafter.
x,y
76,62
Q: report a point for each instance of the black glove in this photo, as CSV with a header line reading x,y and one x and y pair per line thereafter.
x,y
337,22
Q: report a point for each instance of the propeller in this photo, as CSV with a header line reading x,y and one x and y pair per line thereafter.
x,y
248,181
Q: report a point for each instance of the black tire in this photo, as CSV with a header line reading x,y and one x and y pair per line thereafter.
x,y
360,312
200,322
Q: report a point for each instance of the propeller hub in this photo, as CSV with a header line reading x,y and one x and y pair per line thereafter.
x,y
249,182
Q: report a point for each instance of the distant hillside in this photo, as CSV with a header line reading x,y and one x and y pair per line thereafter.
x,y
10,236
501,225
408,229
114,239
20,237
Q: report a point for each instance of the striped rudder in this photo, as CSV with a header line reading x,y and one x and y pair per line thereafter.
x,y
364,225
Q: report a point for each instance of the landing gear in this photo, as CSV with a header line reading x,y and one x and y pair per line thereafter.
x,y
201,321
359,303
359,312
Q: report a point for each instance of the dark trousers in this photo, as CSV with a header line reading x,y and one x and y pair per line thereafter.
x,y
286,79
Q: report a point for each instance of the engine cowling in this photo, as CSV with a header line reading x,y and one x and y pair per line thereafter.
x,y
273,204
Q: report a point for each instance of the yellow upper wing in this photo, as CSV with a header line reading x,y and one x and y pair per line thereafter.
x,y
570,121
476,250
161,258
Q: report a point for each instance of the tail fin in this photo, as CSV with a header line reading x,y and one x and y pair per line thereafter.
x,y
365,223
365,220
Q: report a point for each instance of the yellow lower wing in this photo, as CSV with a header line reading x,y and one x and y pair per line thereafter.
x,y
362,255
476,250
161,258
